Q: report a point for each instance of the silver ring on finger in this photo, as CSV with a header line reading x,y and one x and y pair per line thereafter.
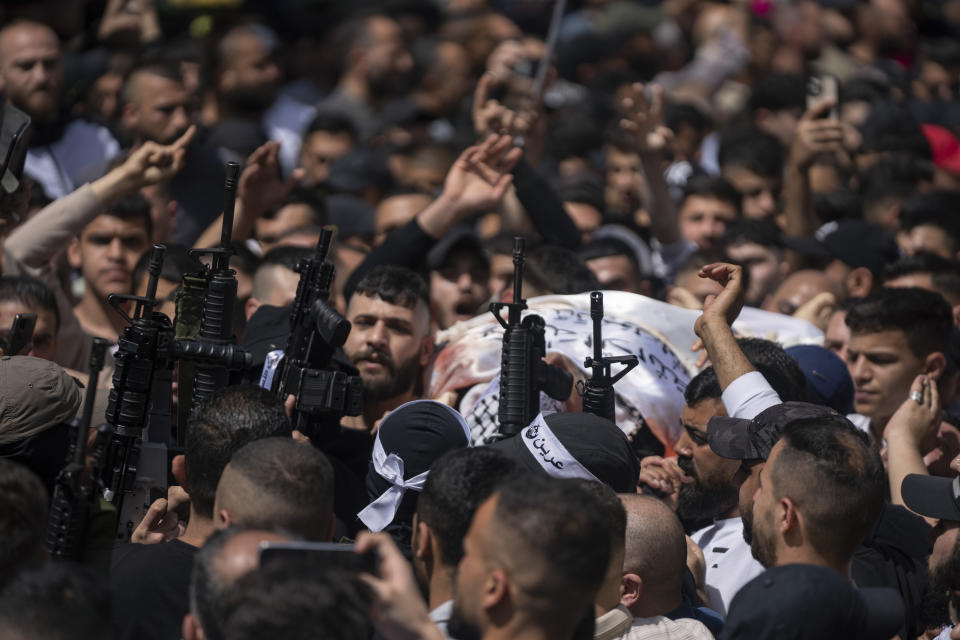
x,y
917,396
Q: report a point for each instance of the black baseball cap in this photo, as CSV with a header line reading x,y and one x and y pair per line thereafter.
x,y
458,240
932,496
597,443
854,242
740,439
809,602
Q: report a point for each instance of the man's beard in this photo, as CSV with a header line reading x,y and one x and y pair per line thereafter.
x,y
746,515
398,378
942,582
697,503
389,84
458,627
763,549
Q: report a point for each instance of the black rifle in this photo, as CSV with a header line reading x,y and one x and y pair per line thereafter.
x,y
523,373
597,393
141,393
71,501
216,323
323,395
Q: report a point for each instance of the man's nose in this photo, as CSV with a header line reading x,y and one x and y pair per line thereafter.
x,y
115,248
376,335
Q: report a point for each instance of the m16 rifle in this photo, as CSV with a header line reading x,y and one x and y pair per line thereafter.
x,y
323,395
141,397
198,384
523,372
597,393
71,501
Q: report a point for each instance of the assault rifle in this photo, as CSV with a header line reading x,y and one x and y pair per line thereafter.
x,y
71,501
523,373
323,395
141,397
597,393
219,284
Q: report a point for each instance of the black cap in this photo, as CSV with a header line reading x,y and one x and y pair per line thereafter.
x,y
740,439
351,215
459,240
597,443
268,330
854,242
932,496
809,602
358,169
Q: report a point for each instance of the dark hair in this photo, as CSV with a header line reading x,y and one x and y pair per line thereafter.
x,y
583,188
764,232
459,482
891,128
23,519
678,114
781,371
944,274
616,514
838,205
284,256
715,187
350,35
394,285
751,149
234,417
157,67
769,359
294,484
564,531
573,134
332,122
296,600
177,262
935,208
558,271
206,586
61,601
243,259
133,208
923,316
606,247
309,198
31,293
834,474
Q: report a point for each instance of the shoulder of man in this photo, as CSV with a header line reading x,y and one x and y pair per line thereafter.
x,y
661,628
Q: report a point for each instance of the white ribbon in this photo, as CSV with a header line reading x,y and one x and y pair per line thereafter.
x,y
381,512
550,454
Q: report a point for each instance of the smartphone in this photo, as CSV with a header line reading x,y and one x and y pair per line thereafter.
x,y
330,555
821,87
21,334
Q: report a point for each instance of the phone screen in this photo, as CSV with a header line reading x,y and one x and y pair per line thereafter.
x,y
327,554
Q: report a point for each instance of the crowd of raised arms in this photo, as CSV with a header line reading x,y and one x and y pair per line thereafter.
x,y
479,319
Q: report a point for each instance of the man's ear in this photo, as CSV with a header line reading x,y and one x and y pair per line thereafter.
x,y
935,364
179,467
631,590
426,350
224,516
251,307
859,282
788,518
73,253
191,628
128,116
423,549
496,590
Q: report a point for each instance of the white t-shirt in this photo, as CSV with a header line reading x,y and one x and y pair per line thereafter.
x,y
730,565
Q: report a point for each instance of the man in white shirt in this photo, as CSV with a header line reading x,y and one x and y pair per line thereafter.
x,y
63,153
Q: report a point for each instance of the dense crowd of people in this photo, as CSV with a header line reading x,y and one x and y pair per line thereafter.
x,y
775,183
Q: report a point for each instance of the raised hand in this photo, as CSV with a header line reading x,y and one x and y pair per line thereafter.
x,y
161,522
644,120
151,163
816,134
480,177
726,305
261,187
490,116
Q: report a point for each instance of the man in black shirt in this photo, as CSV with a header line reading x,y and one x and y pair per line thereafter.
x,y
150,582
